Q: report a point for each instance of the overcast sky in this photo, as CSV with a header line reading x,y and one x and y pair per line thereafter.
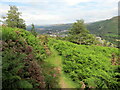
x,y
43,12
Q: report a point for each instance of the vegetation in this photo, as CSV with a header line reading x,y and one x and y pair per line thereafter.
x,y
100,28
109,26
89,65
33,30
13,18
23,63
37,61
80,35
105,27
56,60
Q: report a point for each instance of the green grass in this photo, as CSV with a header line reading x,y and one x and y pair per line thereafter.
x,y
56,61
67,82
54,58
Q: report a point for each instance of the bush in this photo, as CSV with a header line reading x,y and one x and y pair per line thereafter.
x,y
20,51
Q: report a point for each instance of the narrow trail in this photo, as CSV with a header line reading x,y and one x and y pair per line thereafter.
x,y
47,49
56,60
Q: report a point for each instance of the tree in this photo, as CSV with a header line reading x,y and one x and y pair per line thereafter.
x,y
78,27
79,34
33,30
13,18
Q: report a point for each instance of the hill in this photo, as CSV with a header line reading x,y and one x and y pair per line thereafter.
x,y
109,26
100,27
45,62
107,29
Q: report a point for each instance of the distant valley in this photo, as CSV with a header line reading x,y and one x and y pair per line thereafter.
x,y
107,29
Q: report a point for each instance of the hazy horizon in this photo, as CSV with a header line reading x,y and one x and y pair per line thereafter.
x,y
71,22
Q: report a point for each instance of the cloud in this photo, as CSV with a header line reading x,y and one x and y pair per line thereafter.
x,y
74,2
62,11
41,18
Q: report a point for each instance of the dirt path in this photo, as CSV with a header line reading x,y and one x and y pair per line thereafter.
x,y
56,60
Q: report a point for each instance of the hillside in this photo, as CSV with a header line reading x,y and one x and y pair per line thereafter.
x,y
44,62
88,66
23,61
109,26
107,29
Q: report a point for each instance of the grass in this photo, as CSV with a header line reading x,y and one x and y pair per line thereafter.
x,y
66,82
56,60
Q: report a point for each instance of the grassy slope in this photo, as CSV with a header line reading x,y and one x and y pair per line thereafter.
x,y
82,62
56,60
107,29
104,27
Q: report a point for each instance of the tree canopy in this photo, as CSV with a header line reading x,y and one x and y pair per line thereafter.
x,y
79,34
13,18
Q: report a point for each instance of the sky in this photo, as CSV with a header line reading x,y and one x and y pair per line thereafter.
x,y
45,12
